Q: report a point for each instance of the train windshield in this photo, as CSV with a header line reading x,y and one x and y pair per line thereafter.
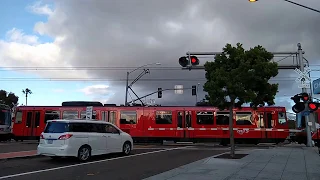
x,y
5,117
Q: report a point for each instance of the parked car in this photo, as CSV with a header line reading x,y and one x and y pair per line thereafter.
x,y
82,139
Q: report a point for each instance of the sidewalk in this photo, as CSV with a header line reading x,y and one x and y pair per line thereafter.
x,y
291,162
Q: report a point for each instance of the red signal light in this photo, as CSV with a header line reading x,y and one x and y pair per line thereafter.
x,y
194,60
313,106
305,97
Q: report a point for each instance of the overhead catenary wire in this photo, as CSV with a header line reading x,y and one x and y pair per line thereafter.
x,y
121,80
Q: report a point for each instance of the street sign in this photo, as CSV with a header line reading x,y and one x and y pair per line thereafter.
x,y
178,89
89,112
316,86
303,79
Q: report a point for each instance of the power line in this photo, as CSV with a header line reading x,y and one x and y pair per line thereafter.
x,y
104,79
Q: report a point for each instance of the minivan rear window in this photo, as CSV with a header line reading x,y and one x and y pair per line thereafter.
x,y
56,127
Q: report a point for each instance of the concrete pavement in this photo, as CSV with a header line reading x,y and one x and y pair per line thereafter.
x,y
142,164
282,163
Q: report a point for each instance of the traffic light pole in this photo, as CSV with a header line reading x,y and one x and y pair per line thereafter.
x,y
304,90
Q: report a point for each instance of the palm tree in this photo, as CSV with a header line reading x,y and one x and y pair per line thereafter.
x,y
26,92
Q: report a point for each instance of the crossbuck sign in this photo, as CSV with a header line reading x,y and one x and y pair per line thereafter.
x,y
303,79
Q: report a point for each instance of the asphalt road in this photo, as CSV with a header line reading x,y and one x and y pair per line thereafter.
x,y
141,164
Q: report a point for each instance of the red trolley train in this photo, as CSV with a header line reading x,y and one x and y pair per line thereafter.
x,y
158,123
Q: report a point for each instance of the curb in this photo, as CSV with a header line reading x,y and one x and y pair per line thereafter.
x,y
21,157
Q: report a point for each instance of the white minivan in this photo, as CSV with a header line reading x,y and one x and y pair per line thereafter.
x,y
82,139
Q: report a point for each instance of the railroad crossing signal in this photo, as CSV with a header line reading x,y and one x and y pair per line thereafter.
x,y
303,79
301,106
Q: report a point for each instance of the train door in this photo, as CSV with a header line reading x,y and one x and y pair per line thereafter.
x,y
104,116
269,123
32,123
184,123
261,124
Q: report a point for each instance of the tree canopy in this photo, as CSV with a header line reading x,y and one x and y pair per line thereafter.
x,y
8,98
239,76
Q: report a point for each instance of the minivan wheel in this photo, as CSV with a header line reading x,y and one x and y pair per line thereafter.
x,y
84,153
126,148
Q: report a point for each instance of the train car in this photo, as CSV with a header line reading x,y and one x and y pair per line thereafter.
x,y
158,123
5,123
266,124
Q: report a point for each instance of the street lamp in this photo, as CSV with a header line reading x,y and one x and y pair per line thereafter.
x,y
294,4
143,73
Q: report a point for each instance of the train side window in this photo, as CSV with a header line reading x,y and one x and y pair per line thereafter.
x,y
104,116
282,118
51,115
222,118
29,119
260,121
70,115
179,118
128,117
112,117
243,118
163,117
37,119
84,113
204,117
188,118
18,118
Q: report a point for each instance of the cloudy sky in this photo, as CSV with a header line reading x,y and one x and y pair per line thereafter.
x,y
81,49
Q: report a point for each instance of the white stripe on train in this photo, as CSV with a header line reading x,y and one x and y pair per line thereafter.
x,y
225,129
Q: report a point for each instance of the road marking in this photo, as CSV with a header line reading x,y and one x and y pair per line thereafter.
x,y
93,162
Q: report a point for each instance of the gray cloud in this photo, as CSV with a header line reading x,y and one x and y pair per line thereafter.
x,y
133,33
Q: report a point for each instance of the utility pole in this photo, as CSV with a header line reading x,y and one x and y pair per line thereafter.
x,y
304,90
145,71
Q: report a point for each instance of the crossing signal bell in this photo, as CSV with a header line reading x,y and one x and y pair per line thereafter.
x,y
194,90
159,92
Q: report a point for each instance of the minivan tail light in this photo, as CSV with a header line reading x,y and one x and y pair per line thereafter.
x,y
41,136
66,136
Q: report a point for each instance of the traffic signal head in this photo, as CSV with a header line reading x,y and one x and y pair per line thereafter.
x,y
313,106
194,90
159,92
298,107
194,60
183,61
